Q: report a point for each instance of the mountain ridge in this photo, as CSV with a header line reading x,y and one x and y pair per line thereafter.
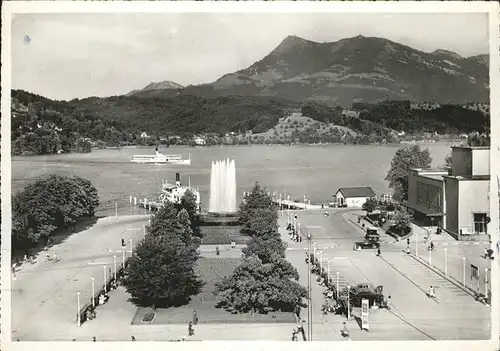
x,y
351,70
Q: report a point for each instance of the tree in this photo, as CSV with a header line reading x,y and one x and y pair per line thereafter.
x,y
476,139
185,223
50,203
405,159
165,223
267,247
258,287
257,198
188,202
161,272
448,161
263,220
401,220
370,205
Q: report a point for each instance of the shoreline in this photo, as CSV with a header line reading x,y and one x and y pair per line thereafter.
x,y
400,144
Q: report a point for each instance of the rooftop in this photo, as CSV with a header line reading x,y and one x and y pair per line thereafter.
x,y
474,177
357,192
471,147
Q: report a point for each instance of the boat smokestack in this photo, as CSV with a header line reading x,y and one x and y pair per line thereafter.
x,y
177,179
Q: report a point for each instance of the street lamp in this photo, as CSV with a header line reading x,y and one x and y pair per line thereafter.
x,y
445,261
328,271
123,257
338,283
78,308
93,292
348,303
416,243
321,262
463,270
104,270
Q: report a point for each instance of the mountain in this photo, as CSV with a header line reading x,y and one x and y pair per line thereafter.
x,y
359,69
165,85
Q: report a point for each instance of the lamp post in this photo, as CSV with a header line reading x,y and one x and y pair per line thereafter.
x,y
338,283
321,261
309,305
328,271
416,243
93,292
445,261
463,270
348,303
78,308
104,273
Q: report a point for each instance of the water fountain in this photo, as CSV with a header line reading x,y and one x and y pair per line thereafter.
x,y
223,187
222,209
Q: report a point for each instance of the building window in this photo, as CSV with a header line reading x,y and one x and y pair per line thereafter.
x,y
480,222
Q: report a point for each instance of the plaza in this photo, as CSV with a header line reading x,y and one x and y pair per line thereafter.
x,y
452,315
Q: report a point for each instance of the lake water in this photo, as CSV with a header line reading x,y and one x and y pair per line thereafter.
x,y
314,171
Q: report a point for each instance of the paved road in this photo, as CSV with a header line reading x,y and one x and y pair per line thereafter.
x,y
44,299
453,315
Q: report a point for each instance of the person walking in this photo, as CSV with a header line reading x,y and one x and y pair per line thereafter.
x,y
431,293
190,329
123,242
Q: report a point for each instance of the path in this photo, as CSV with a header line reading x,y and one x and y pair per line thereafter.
x,y
44,294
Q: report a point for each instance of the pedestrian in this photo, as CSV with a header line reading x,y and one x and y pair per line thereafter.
x,y
294,335
408,250
498,247
190,329
123,242
432,293
94,339
195,317
378,251
133,338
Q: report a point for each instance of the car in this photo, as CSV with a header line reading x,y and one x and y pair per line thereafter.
x,y
359,245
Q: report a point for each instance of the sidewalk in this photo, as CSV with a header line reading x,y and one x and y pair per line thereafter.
x,y
324,327
48,290
452,258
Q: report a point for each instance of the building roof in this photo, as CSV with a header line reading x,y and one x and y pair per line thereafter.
x,y
365,191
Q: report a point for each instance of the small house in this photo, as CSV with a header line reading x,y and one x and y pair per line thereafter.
x,y
353,197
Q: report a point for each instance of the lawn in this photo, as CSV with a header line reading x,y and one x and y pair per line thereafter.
x,y
222,235
210,271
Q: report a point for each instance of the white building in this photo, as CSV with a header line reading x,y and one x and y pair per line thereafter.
x,y
457,199
353,197
200,140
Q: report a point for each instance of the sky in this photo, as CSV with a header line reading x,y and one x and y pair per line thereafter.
x,y
80,55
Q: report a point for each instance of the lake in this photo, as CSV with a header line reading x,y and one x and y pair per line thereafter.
x,y
316,171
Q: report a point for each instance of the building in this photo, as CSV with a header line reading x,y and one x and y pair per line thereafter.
x,y
353,197
200,140
457,199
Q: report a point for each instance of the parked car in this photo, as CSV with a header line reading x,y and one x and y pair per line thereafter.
x,y
360,245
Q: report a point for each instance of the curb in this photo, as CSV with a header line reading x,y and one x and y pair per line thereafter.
x,y
453,281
